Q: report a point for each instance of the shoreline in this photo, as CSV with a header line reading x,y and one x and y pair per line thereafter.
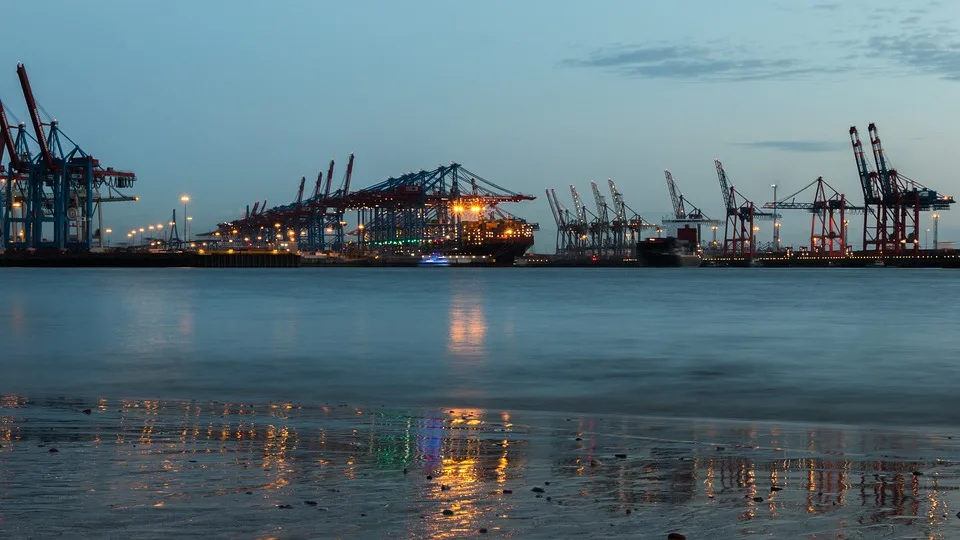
x,y
150,468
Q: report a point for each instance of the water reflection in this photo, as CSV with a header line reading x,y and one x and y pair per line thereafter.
x,y
468,326
341,470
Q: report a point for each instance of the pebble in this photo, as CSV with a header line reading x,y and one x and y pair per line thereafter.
x,y
595,463
249,493
507,491
546,483
482,531
758,499
917,473
285,506
775,488
448,512
53,450
405,471
429,477
444,488
87,411
620,456
579,439
676,536
537,490
310,503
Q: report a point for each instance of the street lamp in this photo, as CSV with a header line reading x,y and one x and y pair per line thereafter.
x,y
936,228
185,199
926,244
776,226
187,235
141,236
108,236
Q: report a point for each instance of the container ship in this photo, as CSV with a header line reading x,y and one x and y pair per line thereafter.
x,y
501,240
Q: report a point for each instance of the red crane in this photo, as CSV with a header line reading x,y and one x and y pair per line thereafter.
x,y
828,223
6,142
45,153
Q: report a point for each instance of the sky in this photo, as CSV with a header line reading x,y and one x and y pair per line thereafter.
x,y
234,101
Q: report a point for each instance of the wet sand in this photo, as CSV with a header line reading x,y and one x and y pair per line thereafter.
x,y
148,469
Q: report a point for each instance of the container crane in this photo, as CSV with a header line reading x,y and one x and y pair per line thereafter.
x,y
685,224
679,212
61,190
828,222
581,214
600,228
892,201
876,214
738,238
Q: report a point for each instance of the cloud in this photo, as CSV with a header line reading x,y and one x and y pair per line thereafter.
x,y
796,146
910,20
688,62
925,52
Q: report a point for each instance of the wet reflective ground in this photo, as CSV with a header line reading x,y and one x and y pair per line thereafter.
x,y
154,468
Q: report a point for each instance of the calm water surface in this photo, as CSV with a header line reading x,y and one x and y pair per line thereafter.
x,y
862,346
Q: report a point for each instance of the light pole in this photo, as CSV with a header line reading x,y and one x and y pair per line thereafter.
x,y
846,240
936,227
926,243
141,236
776,226
188,220
108,236
185,199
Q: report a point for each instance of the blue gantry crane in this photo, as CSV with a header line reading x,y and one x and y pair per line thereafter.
x,y
52,199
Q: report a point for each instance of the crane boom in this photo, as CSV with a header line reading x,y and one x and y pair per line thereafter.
x,y
34,116
346,181
6,140
318,186
678,211
553,209
870,193
326,192
881,160
578,205
600,202
562,210
619,207
724,185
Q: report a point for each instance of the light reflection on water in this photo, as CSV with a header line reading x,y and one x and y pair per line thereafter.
x,y
373,472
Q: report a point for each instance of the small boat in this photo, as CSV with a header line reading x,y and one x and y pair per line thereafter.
x,y
434,260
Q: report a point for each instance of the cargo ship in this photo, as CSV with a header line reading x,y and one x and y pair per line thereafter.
x,y
668,252
502,241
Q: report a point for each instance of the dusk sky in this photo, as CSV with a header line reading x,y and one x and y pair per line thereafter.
x,y
232,102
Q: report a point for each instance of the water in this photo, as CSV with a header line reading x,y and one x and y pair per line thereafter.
x,y
409,403
859,346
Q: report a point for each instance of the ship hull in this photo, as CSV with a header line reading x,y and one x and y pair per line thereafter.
x,y
670,260
667,253
499,253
